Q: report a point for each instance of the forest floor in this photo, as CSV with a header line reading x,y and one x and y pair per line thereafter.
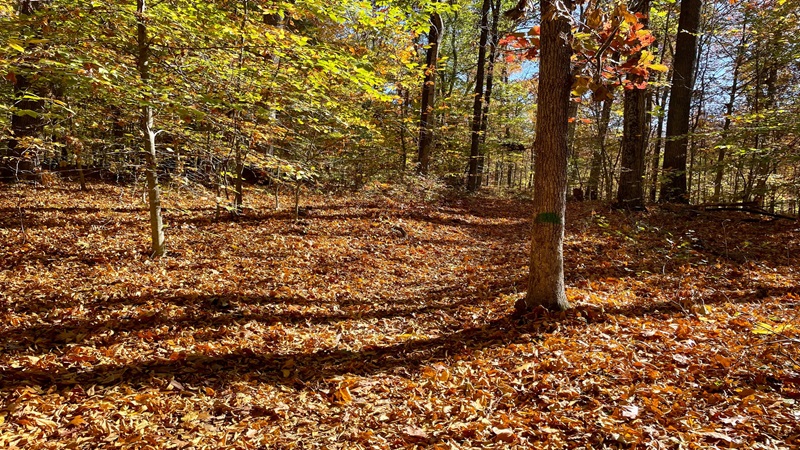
x,y
380,322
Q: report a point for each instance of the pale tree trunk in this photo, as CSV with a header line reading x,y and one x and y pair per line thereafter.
x,y
429,94
673,188
695,122
728,113
546,279
662,103
239,153
493,40
149,137
659,139
473,181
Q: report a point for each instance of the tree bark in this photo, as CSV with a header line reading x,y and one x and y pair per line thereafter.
x,y
546,279
429,94
149,136
477,104
630,193
673,188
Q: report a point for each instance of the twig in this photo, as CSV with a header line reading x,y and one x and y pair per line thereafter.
x,y
21,213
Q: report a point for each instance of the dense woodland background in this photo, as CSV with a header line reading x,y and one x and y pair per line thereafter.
x,y
275,92
266,224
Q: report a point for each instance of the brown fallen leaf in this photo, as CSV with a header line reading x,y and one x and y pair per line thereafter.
x,y
630,411
77,420
503,434
414,434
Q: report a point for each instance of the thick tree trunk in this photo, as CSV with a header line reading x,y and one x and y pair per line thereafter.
x,y
630,194
673,188
473,182
429,94
546,280
149,137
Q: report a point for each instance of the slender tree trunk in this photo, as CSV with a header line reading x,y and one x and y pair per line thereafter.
x,y
598,154
765,166
403,93
149,136
728,114
546,280
659,139
429,94
493,40
673,188
571,127
477,103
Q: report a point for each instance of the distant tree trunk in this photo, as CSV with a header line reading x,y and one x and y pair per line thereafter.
x,y
728,113
149,136
663,92
239,149
765,165
26,119
493,40
630,194
659,139
477,103
403,93
598,154
546,279
429,93
571,128
238,196
673,188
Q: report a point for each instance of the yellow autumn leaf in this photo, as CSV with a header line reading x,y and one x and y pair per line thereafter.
x,y
658,67
765,328
16,46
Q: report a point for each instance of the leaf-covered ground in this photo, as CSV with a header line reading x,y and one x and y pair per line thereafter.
x,y
378,322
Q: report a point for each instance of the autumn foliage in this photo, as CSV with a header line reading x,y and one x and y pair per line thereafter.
x,y
380,322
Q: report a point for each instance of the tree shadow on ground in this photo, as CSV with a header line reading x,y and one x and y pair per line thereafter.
x,y
313,369
214,312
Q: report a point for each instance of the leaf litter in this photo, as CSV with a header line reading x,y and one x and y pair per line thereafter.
x,y
339,331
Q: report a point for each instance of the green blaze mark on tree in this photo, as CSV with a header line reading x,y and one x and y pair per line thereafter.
x,y
548,217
